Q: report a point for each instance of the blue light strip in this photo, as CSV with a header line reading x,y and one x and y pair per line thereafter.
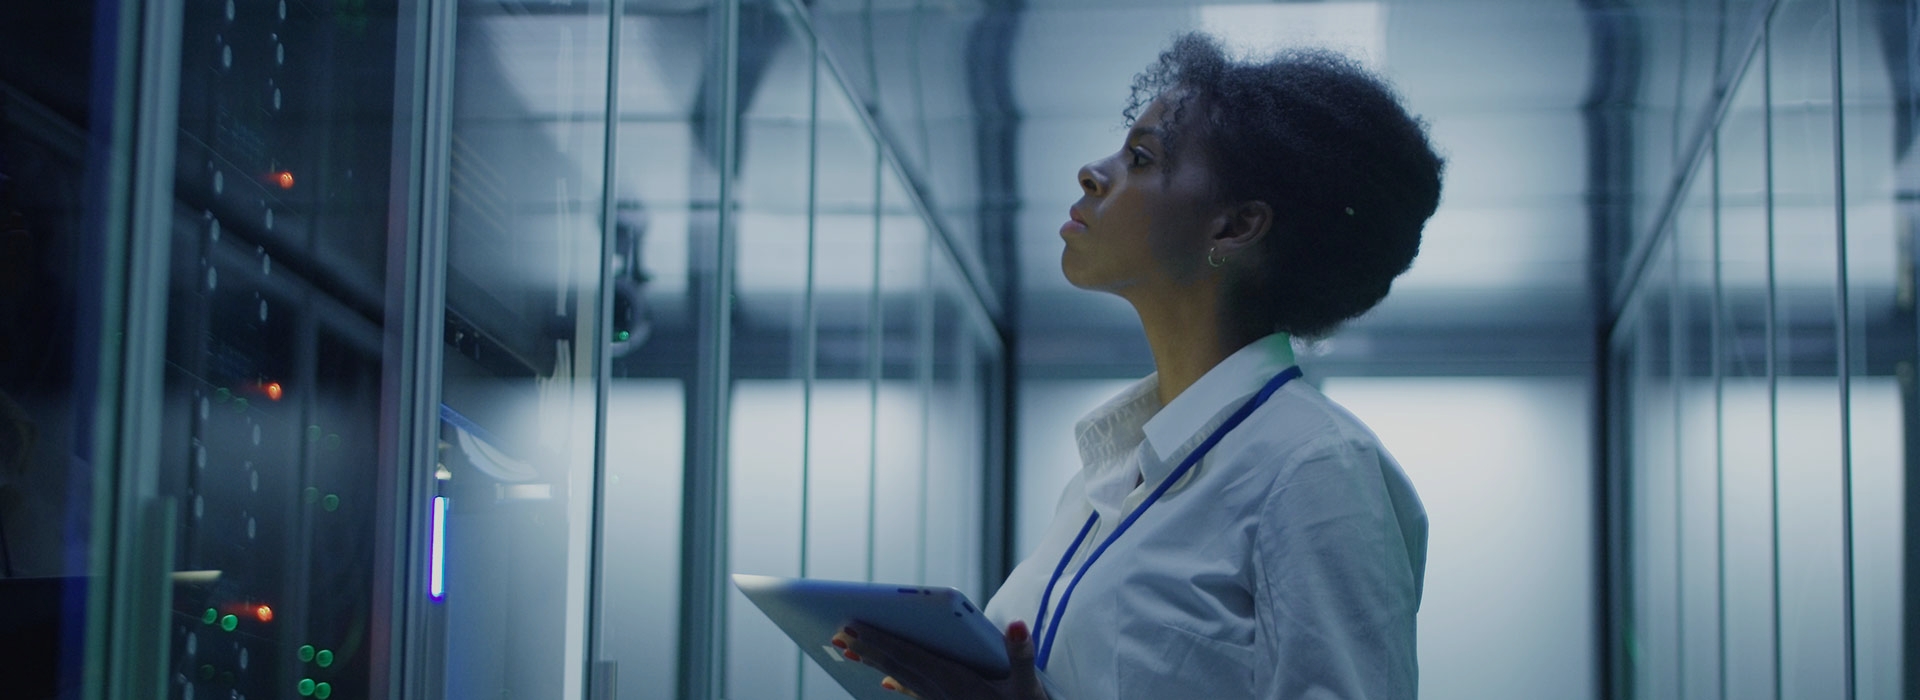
x,y
437,551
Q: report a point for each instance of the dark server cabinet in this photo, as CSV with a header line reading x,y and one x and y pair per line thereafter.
x,y
277,317
49,268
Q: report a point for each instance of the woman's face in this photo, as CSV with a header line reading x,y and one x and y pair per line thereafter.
x,y
1145,216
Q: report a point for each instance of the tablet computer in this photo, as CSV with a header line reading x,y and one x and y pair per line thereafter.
x,y
939,619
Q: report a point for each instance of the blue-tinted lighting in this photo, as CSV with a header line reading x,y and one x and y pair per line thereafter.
x,y
437,551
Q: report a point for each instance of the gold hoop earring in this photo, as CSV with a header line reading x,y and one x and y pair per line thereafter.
x,y
1213,262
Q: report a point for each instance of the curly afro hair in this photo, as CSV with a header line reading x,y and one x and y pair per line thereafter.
x,y
1348,172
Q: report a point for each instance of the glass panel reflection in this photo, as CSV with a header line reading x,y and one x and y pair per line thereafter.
x,y
840,438
1880,339
1808,421
1657,128
910,65
1700,68
1698,481
1655,630
902,405
518,393
1746,397
772,351
840,409
956,427
666,191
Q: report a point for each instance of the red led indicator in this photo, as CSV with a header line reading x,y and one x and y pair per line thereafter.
x,y
285,179
274,391
264,613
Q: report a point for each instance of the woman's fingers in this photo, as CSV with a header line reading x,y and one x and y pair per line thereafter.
x,y
890,684
875,647
1025,679
905,662
909,667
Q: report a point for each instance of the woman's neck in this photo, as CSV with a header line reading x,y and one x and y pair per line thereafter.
x,y
1188,337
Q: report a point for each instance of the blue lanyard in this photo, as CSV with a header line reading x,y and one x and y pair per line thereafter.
x,y
1052,626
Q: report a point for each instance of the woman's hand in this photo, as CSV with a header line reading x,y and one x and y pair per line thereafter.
x,y
919,673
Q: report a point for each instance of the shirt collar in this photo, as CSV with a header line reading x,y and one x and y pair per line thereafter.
x,y
1205,404
1114,428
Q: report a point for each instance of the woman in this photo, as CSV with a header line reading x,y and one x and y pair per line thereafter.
x,y
1267,546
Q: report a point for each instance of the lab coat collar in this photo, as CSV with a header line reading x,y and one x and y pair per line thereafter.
x,y
1187,421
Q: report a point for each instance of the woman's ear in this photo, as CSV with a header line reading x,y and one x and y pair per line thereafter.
x,y
1243,225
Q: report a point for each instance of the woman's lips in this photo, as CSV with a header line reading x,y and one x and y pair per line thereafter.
x,y
1074,223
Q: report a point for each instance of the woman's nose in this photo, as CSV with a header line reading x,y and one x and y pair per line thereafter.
x,y
1092,181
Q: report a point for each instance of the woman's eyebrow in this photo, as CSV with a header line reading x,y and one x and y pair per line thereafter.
x,y
1138,132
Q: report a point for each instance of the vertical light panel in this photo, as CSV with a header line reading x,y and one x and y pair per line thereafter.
x,y
900,410
1746,419
652,632
772,344
1652,496
840,431
437,551
1698,477
1880,336
1809,429
642,535
956,455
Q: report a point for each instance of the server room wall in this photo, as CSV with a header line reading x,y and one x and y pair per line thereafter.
x,y
1761,363
482,340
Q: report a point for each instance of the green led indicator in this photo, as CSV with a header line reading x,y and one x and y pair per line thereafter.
x,y
222,395
311,494
622,336
313,433
324,658
331,503
332,442
305,687
229,622
206,672
306,653
208,617
322,691
240,404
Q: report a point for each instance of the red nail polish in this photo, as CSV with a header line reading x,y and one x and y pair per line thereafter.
x,y
1017,632
849,632
839,643
890,685
850,655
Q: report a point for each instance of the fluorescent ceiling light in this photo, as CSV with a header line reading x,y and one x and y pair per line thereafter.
x,y
1358,29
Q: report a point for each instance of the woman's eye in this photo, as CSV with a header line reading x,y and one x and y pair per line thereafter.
x,y
1139,157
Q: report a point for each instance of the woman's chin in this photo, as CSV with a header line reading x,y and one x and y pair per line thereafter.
x,y
1090,280
1075,274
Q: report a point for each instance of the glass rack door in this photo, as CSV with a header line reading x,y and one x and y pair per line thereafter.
x,y
277,321
516,474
